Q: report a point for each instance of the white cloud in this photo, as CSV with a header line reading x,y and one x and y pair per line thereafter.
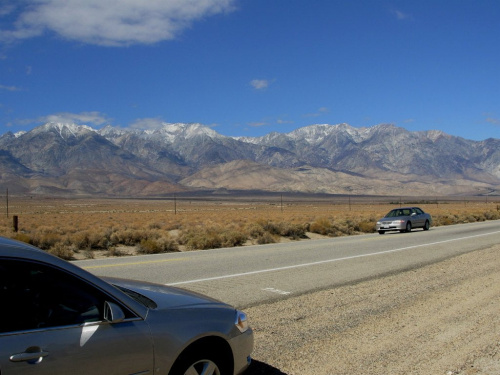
x,y
147,124
493,121
259,84
6,9
319,112
257,124
108,22
84,118
400,15
10,88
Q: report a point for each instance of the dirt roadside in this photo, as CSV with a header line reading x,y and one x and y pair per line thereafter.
x,y
438,319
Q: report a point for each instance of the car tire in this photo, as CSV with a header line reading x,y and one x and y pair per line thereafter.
x,y
427,225
408,227
201,364
202,367
381,231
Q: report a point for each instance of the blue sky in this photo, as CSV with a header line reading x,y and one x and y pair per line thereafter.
x,y
250,67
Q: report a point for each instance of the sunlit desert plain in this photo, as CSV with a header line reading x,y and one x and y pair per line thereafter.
x,y
82,228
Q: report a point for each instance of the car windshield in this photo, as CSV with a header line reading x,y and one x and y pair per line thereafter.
x,y
399,212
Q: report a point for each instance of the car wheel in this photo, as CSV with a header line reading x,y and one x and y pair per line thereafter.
x,y
193,363
408,226
203,367
381,231
426,225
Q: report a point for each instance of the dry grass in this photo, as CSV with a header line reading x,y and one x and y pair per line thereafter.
x,y
67,227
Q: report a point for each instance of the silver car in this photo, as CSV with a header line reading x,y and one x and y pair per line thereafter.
x,y
56,318
404,220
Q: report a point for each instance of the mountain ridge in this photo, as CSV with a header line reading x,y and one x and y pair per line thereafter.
x,y
321,158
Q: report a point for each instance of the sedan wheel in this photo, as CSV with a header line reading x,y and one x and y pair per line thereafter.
x,y
203,367
408,226
426,225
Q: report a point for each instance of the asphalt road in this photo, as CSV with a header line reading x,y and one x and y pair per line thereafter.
x,y
252,275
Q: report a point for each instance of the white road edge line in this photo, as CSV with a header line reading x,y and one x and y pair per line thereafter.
x,y
323,261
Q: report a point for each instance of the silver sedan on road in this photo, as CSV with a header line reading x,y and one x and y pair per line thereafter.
x,y
404,220
57,318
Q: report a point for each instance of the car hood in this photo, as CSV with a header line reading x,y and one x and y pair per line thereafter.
x,y
166,297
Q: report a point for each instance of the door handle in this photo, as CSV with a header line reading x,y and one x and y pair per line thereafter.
x,y
32,355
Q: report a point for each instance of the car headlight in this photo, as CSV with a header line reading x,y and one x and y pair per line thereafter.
x,y
241,321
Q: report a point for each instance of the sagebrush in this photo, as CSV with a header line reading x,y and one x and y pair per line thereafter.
x,y
68,226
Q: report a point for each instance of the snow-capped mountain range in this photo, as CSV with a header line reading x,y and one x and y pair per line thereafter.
x,y
384,159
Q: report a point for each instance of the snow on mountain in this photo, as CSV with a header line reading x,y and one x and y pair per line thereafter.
x,y
168,132
314,134
18,134
64,130
434,135
174,151
173,132
111,131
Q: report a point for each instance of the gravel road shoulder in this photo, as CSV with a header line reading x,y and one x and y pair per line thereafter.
x,y
439,319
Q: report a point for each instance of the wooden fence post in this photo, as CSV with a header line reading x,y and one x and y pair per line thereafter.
x,y
15,223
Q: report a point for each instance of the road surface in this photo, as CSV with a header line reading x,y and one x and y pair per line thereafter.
x,y
251,275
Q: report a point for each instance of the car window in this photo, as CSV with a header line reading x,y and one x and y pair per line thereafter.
x,y
37,296
419,211
393,213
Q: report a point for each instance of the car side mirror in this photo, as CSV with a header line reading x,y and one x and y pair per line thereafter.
x,y
113,313
413,214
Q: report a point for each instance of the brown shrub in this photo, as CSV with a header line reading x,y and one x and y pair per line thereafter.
x,y
211,238
156,246
61,251
45,240
231,238
285,229
115,252
131,237
366,226
23,237
443,220
255,230
322,226
265,238
492,215
200,239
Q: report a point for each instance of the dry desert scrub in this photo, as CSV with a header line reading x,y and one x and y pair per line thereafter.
x,y
66,227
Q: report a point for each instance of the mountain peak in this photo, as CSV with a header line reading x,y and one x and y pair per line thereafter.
x,y
65,130
434,135
174,131
315,134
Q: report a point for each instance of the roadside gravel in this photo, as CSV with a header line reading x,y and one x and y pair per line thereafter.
x,y
439,319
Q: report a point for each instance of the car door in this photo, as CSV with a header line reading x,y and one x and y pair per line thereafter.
x,y
52,322
418,219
